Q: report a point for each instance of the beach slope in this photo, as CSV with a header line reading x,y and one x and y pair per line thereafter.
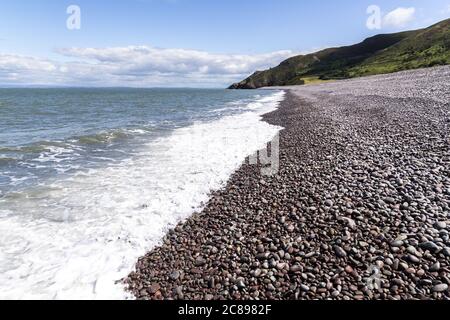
x,y
358,210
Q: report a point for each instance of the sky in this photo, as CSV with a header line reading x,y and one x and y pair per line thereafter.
x,y
183,43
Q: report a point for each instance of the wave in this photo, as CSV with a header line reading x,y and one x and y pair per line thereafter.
x,y
76,237
43,146
98,138
103,138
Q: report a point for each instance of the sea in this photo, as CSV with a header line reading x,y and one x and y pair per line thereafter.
x,y
92,179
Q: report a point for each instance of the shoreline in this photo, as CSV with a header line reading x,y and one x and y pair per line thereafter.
x,y
134,185
359,209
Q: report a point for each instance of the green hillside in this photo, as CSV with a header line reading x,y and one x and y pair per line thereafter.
x,y
379,54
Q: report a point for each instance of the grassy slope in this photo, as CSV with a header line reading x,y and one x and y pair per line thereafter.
x,y
426,48
379,54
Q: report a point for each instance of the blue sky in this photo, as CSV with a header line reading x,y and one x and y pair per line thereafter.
x,y
223,40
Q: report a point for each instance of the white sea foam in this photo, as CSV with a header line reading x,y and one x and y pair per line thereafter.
x,y
73,239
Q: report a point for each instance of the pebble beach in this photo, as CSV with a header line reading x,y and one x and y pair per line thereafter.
x,y
359,209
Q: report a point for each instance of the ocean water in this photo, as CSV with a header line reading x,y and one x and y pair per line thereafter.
x,y
92,179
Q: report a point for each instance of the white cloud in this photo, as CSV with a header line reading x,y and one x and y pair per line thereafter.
x,y
23,63
17,69
399,17
143,59
136,66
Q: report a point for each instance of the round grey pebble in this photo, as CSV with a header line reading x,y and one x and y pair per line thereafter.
x,y
440,287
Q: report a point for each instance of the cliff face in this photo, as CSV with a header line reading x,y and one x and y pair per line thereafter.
x,y
384,53
248,83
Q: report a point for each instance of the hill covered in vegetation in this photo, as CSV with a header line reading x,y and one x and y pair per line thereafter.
x,y
385,53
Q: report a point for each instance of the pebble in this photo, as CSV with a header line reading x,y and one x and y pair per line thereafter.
x,y
335,293
341,253
397,243
295,268
240,283
200,261
304,288
440,287
446,251
154,288
440,225
174,275
413,259
429,245
435,267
